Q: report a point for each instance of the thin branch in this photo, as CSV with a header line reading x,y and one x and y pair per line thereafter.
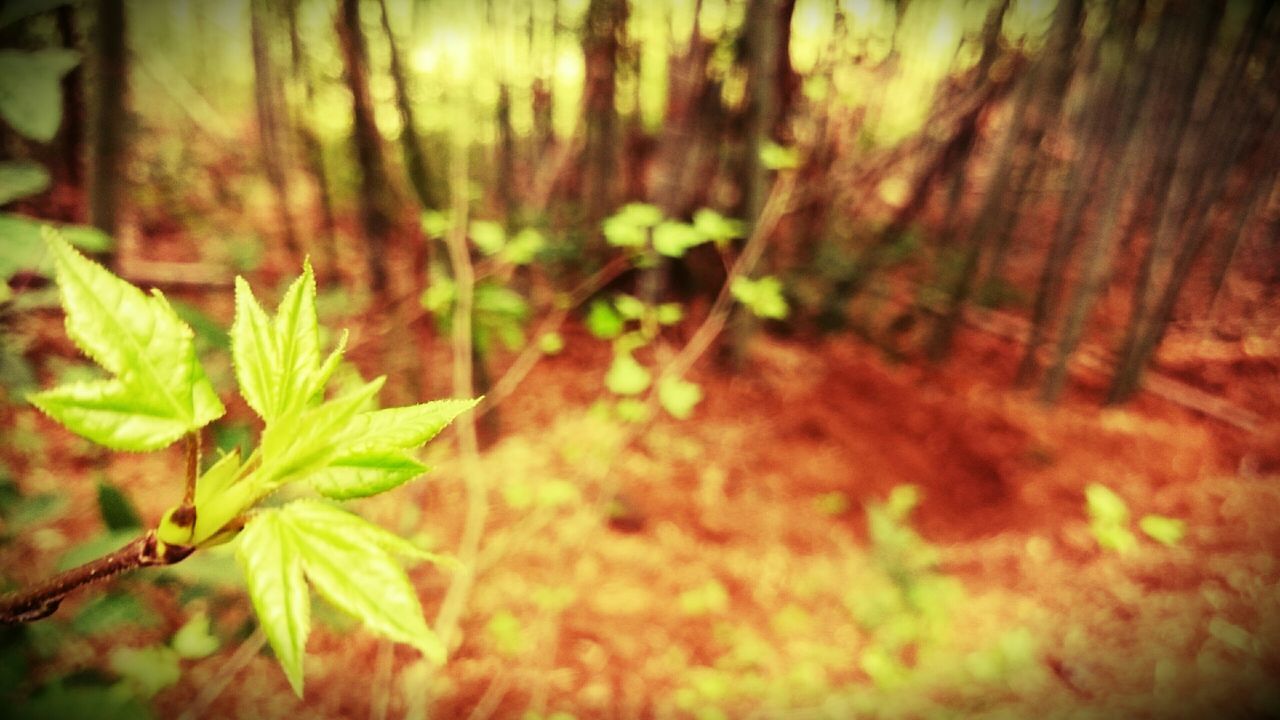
x,y
42,600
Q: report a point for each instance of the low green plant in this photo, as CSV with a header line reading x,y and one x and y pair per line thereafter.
x,y
1109,521
279,503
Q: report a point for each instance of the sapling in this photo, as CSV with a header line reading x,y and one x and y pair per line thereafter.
x,y
323,449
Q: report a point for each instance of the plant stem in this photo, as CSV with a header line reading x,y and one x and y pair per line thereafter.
x,y
42,600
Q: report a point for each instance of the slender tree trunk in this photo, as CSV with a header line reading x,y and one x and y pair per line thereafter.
x,y
72,131
1046,85
1105,95
107,154
1209,154
1100,244
415,157
312,150
268,92
376,215
605,19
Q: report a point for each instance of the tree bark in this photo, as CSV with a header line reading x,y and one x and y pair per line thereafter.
x,y
312,150
605,20
107,181
1038,105
71,133
376,214
415,157
267,93
1100,244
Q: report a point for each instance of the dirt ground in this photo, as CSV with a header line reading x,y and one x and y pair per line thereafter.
x,y
726,566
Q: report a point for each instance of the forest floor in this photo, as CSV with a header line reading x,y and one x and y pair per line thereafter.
x,y
761,559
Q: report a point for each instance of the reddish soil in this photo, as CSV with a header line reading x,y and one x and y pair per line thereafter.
x,y
721,566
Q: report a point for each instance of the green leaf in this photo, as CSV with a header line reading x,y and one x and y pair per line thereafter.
x,y
369,454
1169,531
436,223
1104,505
23,249
194,640
21,179
148,669
551,343
763,297
673,239
670,313
294,449
629,307
160,392
717,227
524,247
603,321
488,236
679,397
116,510
640,214
272,565
777,157
346,560
626,376
620,233
277,361
30,90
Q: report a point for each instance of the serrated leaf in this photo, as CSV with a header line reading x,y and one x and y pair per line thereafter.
x,y
627,376
679,397
30,89
305,443
160,391
23,249
346,560
270,559
362,474
21,179
277,360
369,455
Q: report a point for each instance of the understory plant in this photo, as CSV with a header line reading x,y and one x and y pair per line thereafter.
x,y
281,504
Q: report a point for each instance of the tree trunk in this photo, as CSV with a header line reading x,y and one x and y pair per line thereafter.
x,y
107,180
1120,43
313,152
415,157
71,134
1209,152
376,215
267,93
1100,244
605,20
1038,105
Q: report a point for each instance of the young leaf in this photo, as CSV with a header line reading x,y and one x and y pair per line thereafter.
x,y
673,238
303,443
626,376
763,297
370,455
30,90
346,561
21,179
272,565
603,321
278,361
160,392
488,236
679,397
